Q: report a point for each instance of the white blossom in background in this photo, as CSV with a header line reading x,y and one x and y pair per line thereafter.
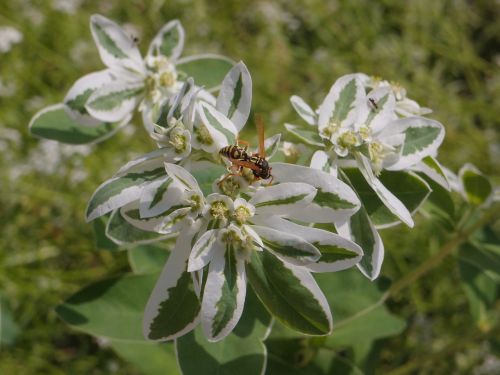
x,y
7,89
130,81
66,6
8,37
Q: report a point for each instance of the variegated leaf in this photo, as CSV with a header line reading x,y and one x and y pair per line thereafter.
x,y
224,294
159,196
290,293
378,109
182,177
271,145
390,200
334,200
432,169
304,111
288,246
308,136
280,199
221,129
119,191
341,105
149,161
203,250
173,307
422,138
78,94
235,95
114,101
55,123
408,187
169,41
361,230
336,253
123,233
116,47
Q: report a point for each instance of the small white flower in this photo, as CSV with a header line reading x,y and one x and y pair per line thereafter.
x,y
8,37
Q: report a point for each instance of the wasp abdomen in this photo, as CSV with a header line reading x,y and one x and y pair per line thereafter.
x,y
234,152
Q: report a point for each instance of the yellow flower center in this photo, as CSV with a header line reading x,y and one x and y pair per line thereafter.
x,y
241,214
203,136
348,139
330,129
219,210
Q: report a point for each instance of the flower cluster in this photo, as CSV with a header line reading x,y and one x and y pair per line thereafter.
x,y
244,231
371,126
369,143
131,81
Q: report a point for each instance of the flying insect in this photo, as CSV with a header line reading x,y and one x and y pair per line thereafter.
x,y
240,158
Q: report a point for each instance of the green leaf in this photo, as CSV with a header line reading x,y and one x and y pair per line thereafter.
x,y
241,352
54,123
113,309
9,329
357,309
480,272
299,357
366,236
149,358
207,70
110,308
477,187
309,136
439,203
289,294
102,242
207,176
123,233
408,187
146,259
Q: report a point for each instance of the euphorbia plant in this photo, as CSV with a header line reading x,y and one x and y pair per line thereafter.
x,y
233,252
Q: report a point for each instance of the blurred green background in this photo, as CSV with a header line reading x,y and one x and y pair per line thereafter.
x,y
446,53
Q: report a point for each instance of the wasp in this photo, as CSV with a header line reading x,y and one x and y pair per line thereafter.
x,y
240,158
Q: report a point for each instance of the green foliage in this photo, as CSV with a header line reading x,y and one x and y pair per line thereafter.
x,y
55,124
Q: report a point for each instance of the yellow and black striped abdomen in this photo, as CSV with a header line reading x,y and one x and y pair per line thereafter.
x,y
234,152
